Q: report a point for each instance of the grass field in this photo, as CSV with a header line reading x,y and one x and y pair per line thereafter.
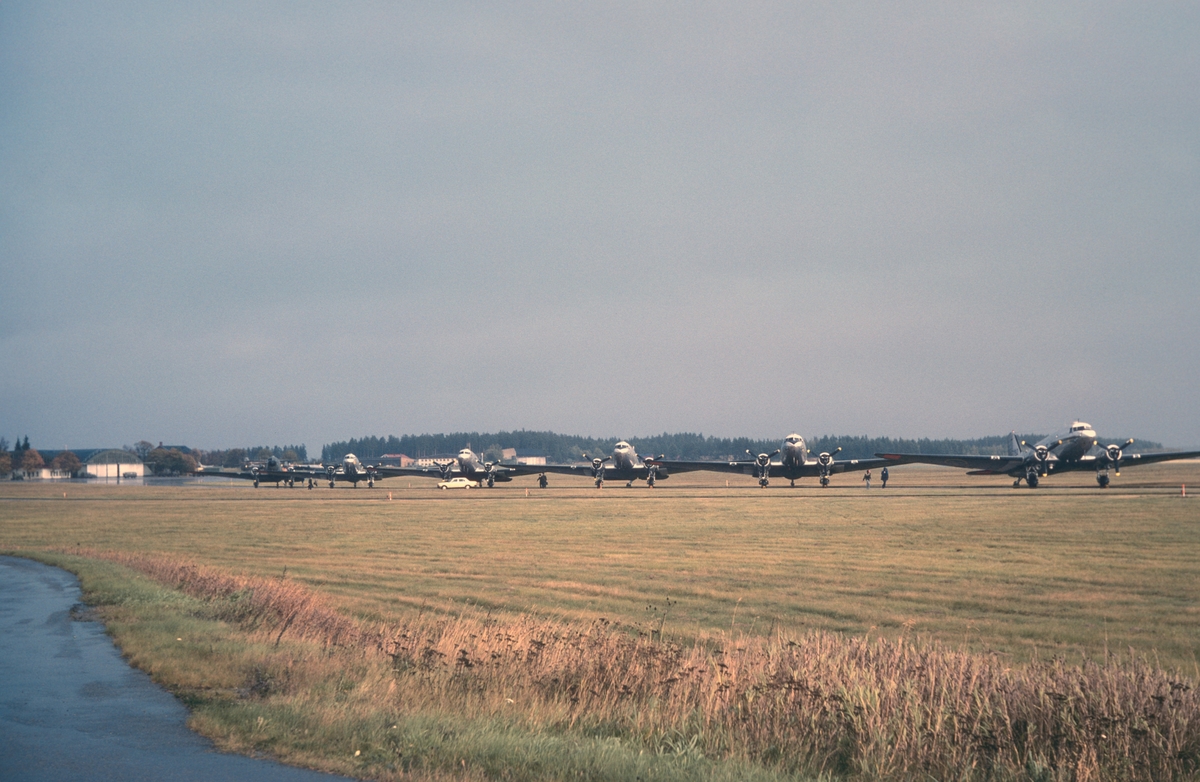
x,y
1065,569
939,559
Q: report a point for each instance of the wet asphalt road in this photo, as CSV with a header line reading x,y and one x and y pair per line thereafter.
x,y
72,709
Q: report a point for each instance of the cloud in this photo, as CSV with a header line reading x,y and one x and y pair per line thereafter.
x,y
911,220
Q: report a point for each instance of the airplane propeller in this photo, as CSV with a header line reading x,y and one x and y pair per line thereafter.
x,y
446,469
762,466
825,465
1042,455
598,469
490,467
652,469
1113,453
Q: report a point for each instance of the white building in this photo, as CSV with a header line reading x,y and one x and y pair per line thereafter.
x,y
114,464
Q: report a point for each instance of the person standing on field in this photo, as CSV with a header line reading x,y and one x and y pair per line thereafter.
x,y
883,478
867,478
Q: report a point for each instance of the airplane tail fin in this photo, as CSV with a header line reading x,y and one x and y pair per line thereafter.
x,y
1014,445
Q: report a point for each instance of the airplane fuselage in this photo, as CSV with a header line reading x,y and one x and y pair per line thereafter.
x,y
468,462
1070,445
793,453
624,457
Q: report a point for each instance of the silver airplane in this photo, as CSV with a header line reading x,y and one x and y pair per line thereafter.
x,y
1064,451
794,463
467,464
625,465
271,471
352,470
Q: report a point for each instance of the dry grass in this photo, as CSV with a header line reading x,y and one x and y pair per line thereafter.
x,y
817,703
696,622
965,561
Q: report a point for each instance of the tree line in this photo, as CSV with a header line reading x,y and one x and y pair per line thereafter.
x,y
557,448
24,459
569,448
236,457
159,460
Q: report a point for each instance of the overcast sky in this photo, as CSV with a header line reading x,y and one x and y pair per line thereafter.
x,y
237,223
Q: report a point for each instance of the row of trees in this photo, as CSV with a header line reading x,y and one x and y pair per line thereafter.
x,y
686,445
236,457
23,458
180,460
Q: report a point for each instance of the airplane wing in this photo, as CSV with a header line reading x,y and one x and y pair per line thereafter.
x,y
847,465
749,467
265,476
412,472
983,464
745,467
571,469
1133,459
219,473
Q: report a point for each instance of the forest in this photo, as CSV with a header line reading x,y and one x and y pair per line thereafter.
x,y
560,448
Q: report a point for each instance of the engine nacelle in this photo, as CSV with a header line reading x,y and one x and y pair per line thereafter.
x,y
1042,454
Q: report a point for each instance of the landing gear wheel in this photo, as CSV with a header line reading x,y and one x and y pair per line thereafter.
x,y
370,484
1102,479
763,483
256,483
331,484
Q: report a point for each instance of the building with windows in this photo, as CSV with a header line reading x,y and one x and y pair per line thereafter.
x,y
397,460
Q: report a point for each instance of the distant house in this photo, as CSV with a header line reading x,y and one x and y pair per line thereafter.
x,y
43,473
46,472
531,458
114,464
510,455
397,460
432,461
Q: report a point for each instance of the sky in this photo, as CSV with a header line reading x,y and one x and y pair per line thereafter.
x,y
230,224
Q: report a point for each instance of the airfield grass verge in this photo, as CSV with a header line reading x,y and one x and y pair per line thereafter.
x,y
269,665
1069,570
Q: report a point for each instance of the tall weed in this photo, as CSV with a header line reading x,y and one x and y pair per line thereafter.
x,y
817,703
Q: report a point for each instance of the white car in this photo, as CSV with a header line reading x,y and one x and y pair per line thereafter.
x,y
458,483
